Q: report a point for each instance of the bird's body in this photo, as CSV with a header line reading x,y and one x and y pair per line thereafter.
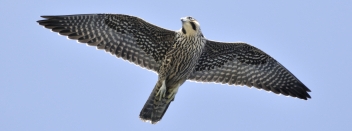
x,y
177,66
177,56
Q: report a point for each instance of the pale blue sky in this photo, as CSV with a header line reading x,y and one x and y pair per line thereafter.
x,y
49,83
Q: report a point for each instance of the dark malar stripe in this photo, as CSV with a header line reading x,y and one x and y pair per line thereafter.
x,y
193,26
183,30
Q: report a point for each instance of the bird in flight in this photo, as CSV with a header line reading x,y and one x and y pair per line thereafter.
x,y
177,56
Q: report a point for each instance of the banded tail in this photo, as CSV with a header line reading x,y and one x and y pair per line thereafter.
x,y
154,109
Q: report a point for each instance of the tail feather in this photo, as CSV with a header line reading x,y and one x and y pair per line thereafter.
x,y
154,109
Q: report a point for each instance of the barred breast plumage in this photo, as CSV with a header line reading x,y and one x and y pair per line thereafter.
x,y
177,56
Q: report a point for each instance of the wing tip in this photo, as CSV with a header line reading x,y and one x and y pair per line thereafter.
x,y
47,16
303,95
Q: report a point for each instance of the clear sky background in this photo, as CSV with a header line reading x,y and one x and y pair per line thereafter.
x,y
50,83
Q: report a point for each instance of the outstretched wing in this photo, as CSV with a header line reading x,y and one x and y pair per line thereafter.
x,y
243,64
127,37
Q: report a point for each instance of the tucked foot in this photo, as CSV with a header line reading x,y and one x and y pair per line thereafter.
x,y
162,91
172,94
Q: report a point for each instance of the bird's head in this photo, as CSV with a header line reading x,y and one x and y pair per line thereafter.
x,y
190,26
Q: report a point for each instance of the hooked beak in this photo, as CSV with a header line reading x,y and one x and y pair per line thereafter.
x,y
183,20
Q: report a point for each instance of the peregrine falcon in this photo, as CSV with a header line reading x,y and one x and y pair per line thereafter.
x,y
177,56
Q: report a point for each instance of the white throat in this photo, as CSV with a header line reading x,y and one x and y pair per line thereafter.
x,y
190,27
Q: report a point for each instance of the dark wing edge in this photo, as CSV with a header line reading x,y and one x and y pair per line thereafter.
x,y
128,37
243,64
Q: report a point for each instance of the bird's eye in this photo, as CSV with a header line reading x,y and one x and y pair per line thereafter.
x,y
190,18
